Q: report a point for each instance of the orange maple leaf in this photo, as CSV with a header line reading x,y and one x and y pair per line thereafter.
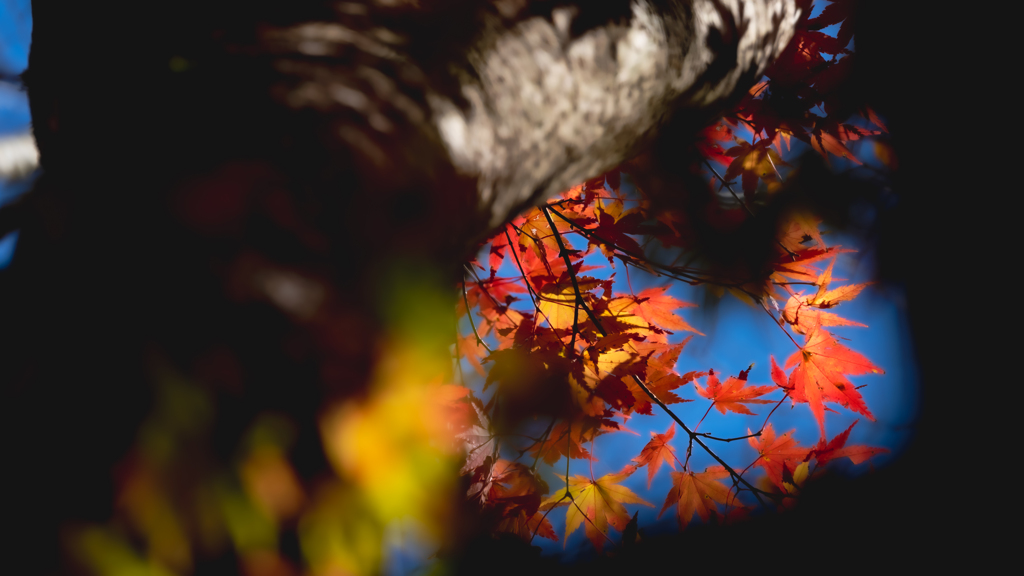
x,y
797,228
820,376
601,500
698,493
826,298
777,455
656,451
473,351
733,394
657,309
803,318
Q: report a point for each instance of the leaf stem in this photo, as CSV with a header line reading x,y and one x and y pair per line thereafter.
x,y
704,416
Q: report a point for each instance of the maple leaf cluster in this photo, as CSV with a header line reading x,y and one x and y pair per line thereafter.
x,y
555,343
801,97
595,358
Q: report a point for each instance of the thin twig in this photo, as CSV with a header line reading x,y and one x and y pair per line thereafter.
x,y
729,188
772,412
623,254
784,331
504,312
710,437
606,537
544,438
522,272
544,517
747,208
469,314
674,272
640,383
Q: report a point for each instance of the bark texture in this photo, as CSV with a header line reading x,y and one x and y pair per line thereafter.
x,y
548,108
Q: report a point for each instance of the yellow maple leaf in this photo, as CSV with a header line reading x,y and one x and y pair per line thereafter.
x,y
600,500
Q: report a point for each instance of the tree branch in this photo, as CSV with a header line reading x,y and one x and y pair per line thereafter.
x,y
597,323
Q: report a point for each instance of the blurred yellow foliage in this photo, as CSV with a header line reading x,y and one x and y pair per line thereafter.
x,y
393,452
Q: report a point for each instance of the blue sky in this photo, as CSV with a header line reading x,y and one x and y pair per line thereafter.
x,y
15,31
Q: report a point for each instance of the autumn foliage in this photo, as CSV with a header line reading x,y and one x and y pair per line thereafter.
x,y
597,358
555,342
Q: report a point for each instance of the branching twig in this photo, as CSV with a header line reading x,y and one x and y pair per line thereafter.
x,y
747,208
678,273
636,378
529,287
729,188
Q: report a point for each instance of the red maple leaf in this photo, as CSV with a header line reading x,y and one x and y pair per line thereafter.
x,y
611,232
709,146
779,376
656,451
497,250
822,365
836,448
732,394
836,12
